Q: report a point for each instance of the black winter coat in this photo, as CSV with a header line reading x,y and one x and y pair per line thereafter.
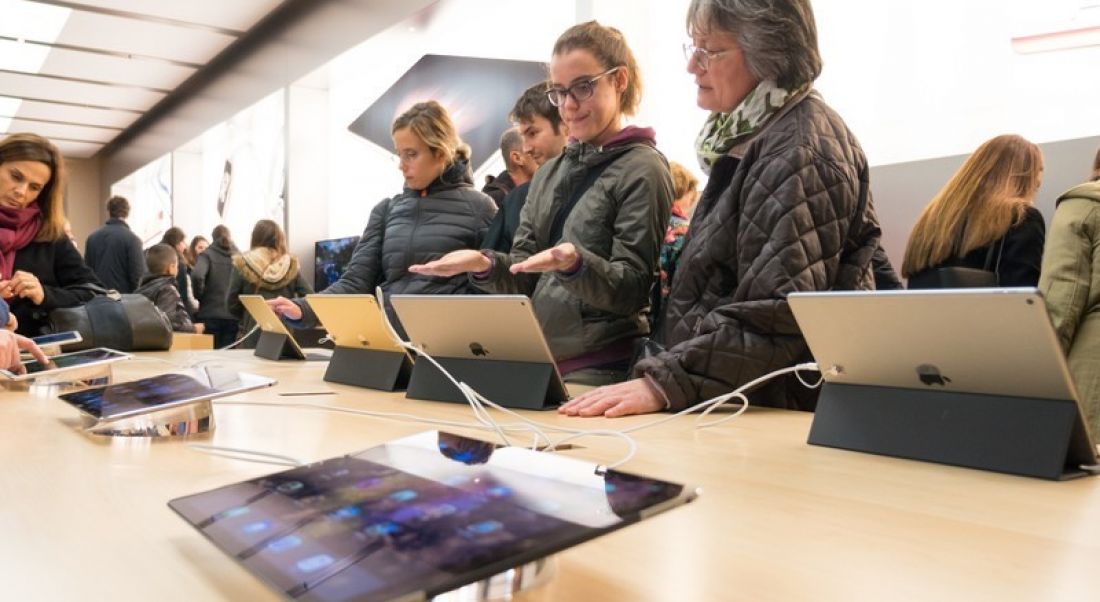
x,y
211,276
793,214
57,265
114,254
410,229
161,290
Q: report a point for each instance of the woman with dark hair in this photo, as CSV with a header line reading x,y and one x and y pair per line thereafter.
x,y
984,221
590,232
40,269
266,269
210,277
439,211
197,246
787,207
175,238
1070,281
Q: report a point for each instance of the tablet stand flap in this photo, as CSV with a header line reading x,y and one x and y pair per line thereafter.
x,y
370,368
523,385
276,346
1015,435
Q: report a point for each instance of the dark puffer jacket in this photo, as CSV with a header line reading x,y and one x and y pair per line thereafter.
x,y
794,214
213,270
409,229
616,225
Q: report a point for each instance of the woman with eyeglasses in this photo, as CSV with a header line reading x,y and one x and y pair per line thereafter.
x,y
787,208
438,212
589,236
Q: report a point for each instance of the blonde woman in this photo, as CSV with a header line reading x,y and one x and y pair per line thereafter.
x,y
982,221
438,212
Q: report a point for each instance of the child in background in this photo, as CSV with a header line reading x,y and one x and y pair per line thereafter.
x,y
159,287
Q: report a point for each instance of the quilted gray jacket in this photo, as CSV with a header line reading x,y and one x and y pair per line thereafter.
x,y
793,214
616,224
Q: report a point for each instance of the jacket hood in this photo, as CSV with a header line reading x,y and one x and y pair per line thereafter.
x,y
627,138
457,175
265,268
151,282
1088,190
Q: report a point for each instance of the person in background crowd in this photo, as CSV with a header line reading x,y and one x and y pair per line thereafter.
x,y
439,211
518,167
40,269
685,187
1070,281
175,238
588,239
114,251
266,269
544,137
983,219
787,207
211,277
159,286
197,246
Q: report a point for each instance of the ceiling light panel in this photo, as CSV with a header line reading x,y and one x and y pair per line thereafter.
x,y
134,36
235,14
95,95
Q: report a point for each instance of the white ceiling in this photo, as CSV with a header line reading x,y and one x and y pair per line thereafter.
x,y
108,63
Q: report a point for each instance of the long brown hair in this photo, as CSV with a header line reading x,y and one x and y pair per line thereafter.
x,y
51,200
982,201
268,234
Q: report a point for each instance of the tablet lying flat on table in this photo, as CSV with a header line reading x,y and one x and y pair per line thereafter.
x,y
424,515
67,361
161,392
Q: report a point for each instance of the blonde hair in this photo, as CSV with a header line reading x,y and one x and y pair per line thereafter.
x,y
1096,166
430,123
608,46
51,199
683,181
984,199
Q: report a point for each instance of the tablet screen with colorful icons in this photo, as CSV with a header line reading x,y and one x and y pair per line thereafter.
x,y
424,514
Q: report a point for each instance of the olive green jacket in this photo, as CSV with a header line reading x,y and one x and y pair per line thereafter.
x,y
1070,281
617,226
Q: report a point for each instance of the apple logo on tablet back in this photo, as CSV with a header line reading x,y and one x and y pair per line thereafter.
x,y
478,350
930,375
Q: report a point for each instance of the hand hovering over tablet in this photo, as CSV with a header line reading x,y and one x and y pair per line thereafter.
x,y
10,346
454,263
561,258
285,308
622,399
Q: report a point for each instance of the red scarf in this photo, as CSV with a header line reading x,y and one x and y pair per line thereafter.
x,y
18,227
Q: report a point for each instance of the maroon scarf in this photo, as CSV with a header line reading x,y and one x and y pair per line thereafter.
x,y
18,227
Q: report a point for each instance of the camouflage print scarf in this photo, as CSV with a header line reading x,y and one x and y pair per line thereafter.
x,y
722,131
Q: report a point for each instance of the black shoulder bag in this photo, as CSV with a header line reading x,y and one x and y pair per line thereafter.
x,y
125,322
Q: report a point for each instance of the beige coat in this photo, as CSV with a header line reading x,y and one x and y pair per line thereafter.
x,y
1070,282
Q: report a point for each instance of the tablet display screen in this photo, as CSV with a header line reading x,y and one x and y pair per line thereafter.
x,y
71,360
148,394
428,513
137,395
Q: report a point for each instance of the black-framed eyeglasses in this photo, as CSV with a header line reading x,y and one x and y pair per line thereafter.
x,y
702,56
580,91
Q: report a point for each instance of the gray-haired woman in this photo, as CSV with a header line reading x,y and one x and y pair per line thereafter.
x,y
787,208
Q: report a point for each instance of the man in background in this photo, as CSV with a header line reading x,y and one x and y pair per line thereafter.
x,y
114,252
543,136
518,167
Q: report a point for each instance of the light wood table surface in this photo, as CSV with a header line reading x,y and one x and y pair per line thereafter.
x,y
86,518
